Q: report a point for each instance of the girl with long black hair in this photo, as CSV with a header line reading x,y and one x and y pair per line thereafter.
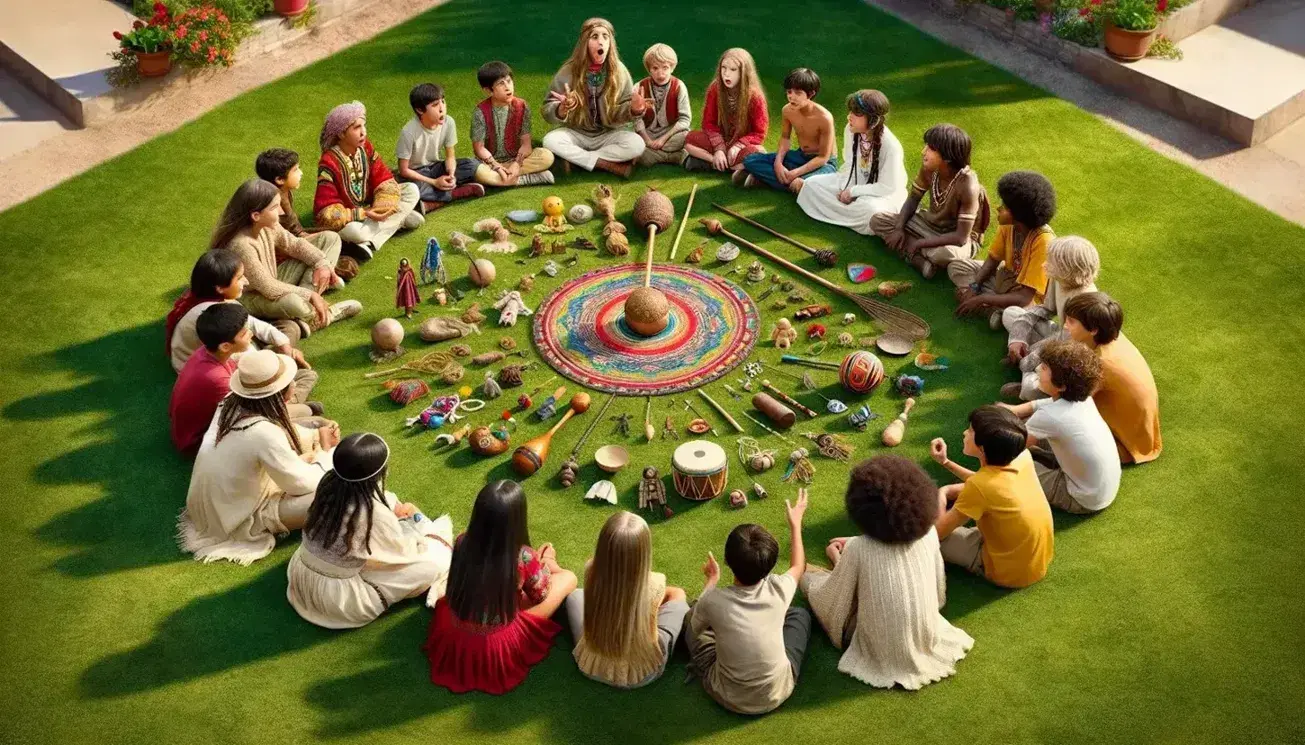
x,y
873,175
494,623
363,550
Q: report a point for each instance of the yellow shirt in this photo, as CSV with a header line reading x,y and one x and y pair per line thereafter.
x,y
1026,261
1015,520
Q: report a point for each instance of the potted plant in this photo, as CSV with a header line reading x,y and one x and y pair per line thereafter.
x,y
290,8
204,37
150,43
1131,27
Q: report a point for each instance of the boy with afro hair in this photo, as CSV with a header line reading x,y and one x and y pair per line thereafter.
x,y
881,602
1081,472
1014,539
1013,274
747,644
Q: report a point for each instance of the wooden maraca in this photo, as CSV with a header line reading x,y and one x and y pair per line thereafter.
x,y
896,429
529,457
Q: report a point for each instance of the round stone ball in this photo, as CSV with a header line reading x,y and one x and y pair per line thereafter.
x,y
482,272
647,311
387,335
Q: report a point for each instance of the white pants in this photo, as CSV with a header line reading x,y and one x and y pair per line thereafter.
x,y
376,233
615,145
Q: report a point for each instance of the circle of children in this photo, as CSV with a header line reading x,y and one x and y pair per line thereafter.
x,y
266,463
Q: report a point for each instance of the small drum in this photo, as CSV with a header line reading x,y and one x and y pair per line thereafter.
x,y
700,470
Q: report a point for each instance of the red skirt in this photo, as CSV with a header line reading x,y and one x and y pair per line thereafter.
x,y
468,657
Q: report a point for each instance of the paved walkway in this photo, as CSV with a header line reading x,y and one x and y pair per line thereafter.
x,y
1270,174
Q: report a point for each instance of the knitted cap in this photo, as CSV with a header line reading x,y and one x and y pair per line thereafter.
x,y
339,120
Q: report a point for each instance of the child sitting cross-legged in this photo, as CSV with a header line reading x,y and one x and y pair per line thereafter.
x,y
626,620
363,550
1014,541
813,126
427,151
734,116
500,134
1081,472
665,124
1072,268
747,644
1127,397
495,621
881,602
1014,274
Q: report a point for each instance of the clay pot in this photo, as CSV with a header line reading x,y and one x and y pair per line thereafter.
x,y
290,8
153,64
1128,46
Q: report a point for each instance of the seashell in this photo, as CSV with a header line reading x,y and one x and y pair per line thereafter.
x,y
602,491
727,252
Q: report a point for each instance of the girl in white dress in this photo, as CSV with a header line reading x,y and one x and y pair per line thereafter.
x,y
363,550
881,602
873,175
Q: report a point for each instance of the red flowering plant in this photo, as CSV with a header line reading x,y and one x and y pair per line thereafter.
x,y
203,36
155,36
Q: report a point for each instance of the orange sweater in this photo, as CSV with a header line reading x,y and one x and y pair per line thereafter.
x,y
1129,402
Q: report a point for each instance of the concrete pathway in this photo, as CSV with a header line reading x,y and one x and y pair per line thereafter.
x,y
1271,174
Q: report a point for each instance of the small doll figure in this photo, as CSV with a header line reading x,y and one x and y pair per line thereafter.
x,y
405,293
509,307
432,264
652,492
554,217
784,334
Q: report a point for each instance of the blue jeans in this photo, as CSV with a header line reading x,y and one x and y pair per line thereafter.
x,y
465,173
762,166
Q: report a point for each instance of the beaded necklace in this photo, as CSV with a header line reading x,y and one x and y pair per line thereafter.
x,y
355,172
938,199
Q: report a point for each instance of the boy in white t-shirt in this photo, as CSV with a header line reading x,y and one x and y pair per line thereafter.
x,y
1082,473
426,152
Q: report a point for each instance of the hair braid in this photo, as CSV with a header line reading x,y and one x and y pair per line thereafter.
x,y
237,408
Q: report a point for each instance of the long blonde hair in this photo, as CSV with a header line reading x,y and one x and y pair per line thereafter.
x,y
620,619
578,64
734,122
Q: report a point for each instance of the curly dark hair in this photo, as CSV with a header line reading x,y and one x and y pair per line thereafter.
x,y
1074,367
1097,312
891,499
1029,196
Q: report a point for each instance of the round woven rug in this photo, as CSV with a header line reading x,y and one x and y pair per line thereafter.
x,y
580,331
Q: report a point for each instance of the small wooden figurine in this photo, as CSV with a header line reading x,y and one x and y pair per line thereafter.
x,y
784,334
652,492
405,291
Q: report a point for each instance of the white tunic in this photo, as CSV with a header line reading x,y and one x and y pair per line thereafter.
x,y
883,599
338,589
236,489
819,195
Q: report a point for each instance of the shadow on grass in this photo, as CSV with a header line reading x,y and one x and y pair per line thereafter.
x,y
141,477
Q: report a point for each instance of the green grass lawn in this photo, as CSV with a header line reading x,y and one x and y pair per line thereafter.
x,y
1169,618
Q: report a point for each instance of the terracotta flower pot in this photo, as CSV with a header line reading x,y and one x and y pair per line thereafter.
x,y
153,64
1128,46
290,8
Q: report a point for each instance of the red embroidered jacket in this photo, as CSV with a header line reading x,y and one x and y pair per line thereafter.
x,y
346,189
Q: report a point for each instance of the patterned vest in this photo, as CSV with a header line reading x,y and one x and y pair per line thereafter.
x,y
672,101
511,130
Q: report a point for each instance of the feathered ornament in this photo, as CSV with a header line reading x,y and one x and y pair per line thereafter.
x,y
832,446
800,466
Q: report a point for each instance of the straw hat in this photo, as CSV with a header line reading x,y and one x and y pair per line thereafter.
x,y
262,373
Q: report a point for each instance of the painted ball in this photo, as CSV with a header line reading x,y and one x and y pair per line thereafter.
x,y
647,311
387,335
482,272
580,214
860,372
